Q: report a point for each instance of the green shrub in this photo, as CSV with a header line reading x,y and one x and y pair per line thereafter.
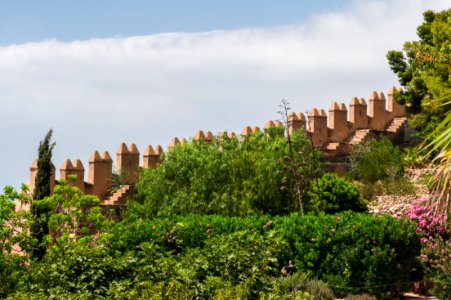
x,y
343,250
435,236
355,253
370,190
333,194
231,264
218,257
376,160
400,185
242,177
85,268
300,282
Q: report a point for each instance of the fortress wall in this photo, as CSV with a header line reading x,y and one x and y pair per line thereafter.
x,y
100,173
127,162
358,117
76,168
323,129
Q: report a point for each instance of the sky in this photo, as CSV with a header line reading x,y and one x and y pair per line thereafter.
x,y
100,73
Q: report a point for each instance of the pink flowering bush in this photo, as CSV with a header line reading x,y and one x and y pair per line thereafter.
x,y
435,239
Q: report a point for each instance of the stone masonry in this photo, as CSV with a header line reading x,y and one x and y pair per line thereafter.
x,y
335,134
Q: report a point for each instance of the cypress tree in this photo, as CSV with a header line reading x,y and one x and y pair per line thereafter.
x,y
42,189
42,181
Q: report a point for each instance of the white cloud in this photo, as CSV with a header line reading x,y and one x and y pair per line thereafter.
x,y
98,93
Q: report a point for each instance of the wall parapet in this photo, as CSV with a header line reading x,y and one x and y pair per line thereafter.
x,y
327,132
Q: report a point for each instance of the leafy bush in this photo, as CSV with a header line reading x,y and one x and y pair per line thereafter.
x,y
85,267
228,177
351,253
299,284
219,257
13,232
369,190
398,185
379,165
210,256
435,238
333,194
376,160
343,250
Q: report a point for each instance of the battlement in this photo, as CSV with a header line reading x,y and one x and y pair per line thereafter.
x,y
341,127
336,127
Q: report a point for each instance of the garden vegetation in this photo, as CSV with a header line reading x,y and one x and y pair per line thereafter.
x,y
219,220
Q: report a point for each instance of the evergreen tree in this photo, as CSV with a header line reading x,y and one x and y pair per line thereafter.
x,y
424,70
42,181
42,189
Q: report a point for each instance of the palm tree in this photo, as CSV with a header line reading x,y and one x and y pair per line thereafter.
x,y
439,144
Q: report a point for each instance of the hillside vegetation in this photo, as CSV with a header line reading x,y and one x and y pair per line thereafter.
x,y
221,219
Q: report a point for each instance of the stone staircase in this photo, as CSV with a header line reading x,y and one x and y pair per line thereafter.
x,y
395,125
332,146
120,196
358,136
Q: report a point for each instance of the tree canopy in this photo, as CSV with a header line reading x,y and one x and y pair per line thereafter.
x,y
423,69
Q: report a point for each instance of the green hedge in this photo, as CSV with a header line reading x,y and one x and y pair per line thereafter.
x,y
216,257
333,194
253,175
352,252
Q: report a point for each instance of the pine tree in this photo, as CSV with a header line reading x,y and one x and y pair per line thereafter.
x,y
42,189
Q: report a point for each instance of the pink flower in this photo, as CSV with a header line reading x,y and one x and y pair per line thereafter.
x,y
333,230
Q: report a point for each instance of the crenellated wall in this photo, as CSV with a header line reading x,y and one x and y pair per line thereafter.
x,y
338,126
328,132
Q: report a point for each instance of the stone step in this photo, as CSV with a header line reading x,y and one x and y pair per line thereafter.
x,y
332,146
358,136
395,125
117,196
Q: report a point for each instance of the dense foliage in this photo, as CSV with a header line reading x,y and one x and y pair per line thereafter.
x,y
222,257
379,167
435,236
376,160
423,69
439,143
345,250
219,220
69,215
228,177
333,194
8,262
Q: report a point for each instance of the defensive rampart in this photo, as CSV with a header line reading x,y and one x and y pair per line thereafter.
x,y
334,134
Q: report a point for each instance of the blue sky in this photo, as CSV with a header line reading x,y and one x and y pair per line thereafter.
x,y
105,72
26,21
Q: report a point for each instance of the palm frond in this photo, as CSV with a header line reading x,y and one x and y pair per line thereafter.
x,y
440,142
